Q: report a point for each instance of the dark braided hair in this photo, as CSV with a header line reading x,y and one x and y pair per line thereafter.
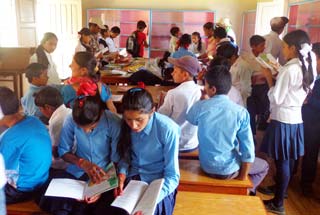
x,y
136,99
297,38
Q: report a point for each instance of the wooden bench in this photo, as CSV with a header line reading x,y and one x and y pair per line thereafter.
x,y
194,155
25,208
222,204
192,178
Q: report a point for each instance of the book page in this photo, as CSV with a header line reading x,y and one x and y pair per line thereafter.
x,y
131,195
64,187
148,202
110,181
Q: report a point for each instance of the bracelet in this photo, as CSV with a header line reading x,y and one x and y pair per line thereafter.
x,y
80,161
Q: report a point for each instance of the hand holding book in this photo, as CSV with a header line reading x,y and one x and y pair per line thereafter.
x,y
268,61
95,173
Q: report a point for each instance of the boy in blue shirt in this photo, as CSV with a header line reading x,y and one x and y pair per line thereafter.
x,y
226,148
26,149
37,75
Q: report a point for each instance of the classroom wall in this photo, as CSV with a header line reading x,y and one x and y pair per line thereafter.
x,y
223,8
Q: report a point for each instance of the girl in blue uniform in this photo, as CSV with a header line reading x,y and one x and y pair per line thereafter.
x,y
84,69
283,140
88,142
148,147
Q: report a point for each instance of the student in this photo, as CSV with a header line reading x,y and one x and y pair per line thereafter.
x,y
26,150
240,70
43,56
211,42
283,139
258,102
179,100
102,40
141,37
311,124
273,42
226,148
220,36
233,94
183,45
197,47
96,134
226,24
37,75
3,181
148,148
175,32
84,68
50,103
114,32
84,41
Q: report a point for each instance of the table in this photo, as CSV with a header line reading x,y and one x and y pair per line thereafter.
x,y
17,79
154,90
110,76
220,204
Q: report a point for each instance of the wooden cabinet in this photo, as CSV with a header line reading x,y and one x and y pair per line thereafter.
x,y
159,23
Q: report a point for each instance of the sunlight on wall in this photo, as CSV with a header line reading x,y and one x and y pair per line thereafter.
x,y
8,30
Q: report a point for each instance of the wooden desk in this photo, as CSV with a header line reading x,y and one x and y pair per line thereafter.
x,y
108,78
16,77
192,178
154,90
25,208
220,204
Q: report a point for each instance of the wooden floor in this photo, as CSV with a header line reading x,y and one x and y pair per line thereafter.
x,y
296,204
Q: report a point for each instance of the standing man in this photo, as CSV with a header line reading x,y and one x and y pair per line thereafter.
x,y
273,41
95,25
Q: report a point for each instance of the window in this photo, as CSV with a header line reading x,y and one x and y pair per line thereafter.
x,y
305,16
248,28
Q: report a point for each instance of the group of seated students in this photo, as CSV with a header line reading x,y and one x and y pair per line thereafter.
x,y
84,134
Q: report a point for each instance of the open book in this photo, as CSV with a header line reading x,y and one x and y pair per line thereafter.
x,y
71,188
139,196
268,61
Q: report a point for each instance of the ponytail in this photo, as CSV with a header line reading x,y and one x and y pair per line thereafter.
x,y
301,41
307,72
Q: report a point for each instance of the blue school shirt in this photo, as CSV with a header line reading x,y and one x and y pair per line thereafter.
x,y
69,94
26,149
27,102
98,146
224,133
182,52
155,153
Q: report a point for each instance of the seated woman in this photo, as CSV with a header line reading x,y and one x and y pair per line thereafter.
x,y
84,68
148,148
183,45
95,133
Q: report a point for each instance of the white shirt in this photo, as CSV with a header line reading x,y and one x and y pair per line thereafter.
x,y
287,96
80,48
173,44
176,105
235,96
111,45
55,125
52,68
274,46
3,179
194,48
241,73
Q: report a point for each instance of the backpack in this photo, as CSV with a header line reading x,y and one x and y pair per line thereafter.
x,y
132,45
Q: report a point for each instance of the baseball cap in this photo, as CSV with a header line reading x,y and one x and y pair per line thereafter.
x,y
97,21
187,63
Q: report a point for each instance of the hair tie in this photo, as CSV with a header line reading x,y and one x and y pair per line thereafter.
x,y
1,113
305,49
